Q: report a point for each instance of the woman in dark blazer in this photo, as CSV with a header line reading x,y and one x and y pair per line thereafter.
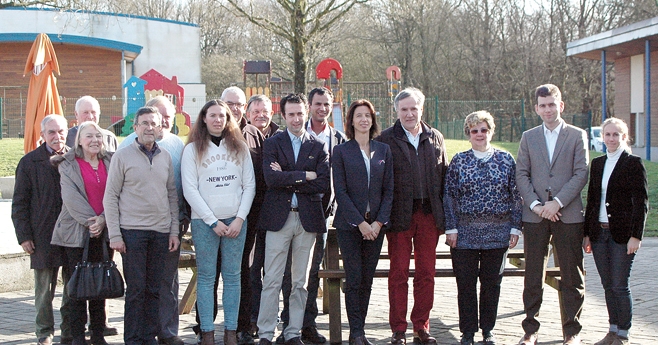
x,y
363,182
617,205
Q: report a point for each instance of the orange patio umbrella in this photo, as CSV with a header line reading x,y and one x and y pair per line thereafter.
x,y
42,95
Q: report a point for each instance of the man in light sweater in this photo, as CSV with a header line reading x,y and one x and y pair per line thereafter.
x,y
169,321
141,211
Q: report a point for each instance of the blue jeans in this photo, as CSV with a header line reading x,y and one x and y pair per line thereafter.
x,y
142,269
207,243
614,267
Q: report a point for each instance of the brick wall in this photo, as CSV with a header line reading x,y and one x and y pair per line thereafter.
x,y
84,71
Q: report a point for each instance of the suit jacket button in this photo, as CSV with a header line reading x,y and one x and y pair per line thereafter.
x,y
607,204
550,175
609,216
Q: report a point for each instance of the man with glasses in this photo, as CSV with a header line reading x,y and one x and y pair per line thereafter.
x,y
88,109
169,319
141,211
259,111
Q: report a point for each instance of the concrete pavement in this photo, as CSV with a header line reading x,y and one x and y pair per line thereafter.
x,y
17,310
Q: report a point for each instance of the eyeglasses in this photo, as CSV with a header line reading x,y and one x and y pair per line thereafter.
x,y
481,130
147,124
231,105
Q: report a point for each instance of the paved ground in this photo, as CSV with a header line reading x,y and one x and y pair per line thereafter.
x,y
17,310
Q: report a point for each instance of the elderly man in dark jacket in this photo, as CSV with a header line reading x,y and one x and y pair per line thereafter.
x,y
417,219
35,206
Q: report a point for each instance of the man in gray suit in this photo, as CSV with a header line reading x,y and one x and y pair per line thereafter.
x,y
551,173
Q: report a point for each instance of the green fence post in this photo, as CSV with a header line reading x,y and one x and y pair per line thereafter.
x,y
436,111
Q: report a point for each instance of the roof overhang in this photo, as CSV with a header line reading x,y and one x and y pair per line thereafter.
x,y
131,51
618,43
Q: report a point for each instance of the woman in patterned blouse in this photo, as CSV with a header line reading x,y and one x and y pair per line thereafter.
x,y
483,219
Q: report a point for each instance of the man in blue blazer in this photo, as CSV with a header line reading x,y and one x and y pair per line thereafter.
x,y
296,169
551,171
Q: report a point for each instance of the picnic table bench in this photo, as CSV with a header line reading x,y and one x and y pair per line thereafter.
x,y
333,273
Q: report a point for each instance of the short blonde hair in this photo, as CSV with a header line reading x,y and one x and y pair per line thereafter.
x,y
476,117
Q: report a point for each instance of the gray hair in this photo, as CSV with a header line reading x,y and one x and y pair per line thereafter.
x,y
161,100
236,90
55,117
413,92
89,99
259,98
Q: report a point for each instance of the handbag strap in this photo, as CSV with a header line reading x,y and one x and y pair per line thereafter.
x,y
85,254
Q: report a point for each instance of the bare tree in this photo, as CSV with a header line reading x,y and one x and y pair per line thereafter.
x,y
306,20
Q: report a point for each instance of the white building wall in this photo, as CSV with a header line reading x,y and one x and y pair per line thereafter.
x,y
172,48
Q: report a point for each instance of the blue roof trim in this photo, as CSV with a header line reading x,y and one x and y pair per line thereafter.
x,y
80,40
105,14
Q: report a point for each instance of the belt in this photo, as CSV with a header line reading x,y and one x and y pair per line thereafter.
x,y
605,225
294,209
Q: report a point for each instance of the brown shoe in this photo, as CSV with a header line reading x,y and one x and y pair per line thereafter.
x,y
529,339
399,338
208,338
572,340
230,337
608,339
423,337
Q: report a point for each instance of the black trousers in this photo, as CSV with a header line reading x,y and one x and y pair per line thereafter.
x,y
469,265
78,308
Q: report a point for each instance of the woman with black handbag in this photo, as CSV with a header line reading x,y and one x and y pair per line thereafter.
x,y
83,173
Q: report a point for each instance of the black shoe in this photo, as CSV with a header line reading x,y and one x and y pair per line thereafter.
x,y
264,341
109,331
47,340
79,340
244,338
467,339
399,338
488,338
281,339
65,340
295,341
311,335
171,341
99,341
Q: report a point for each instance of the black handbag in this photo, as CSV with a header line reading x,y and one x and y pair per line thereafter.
x,y
95,280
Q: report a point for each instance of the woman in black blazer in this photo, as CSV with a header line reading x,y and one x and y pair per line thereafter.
x,y
617,205
363,182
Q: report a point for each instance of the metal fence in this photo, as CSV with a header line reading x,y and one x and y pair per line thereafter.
x,y
447,116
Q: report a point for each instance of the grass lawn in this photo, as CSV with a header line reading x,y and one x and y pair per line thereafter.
x,y
11,151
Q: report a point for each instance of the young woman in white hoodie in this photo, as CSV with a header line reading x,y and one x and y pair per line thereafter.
x,y
219,184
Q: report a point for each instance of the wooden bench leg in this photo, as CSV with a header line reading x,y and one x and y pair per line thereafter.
x,y
189,297
332,298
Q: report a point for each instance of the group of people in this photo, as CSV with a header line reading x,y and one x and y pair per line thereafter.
x,y
258,201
